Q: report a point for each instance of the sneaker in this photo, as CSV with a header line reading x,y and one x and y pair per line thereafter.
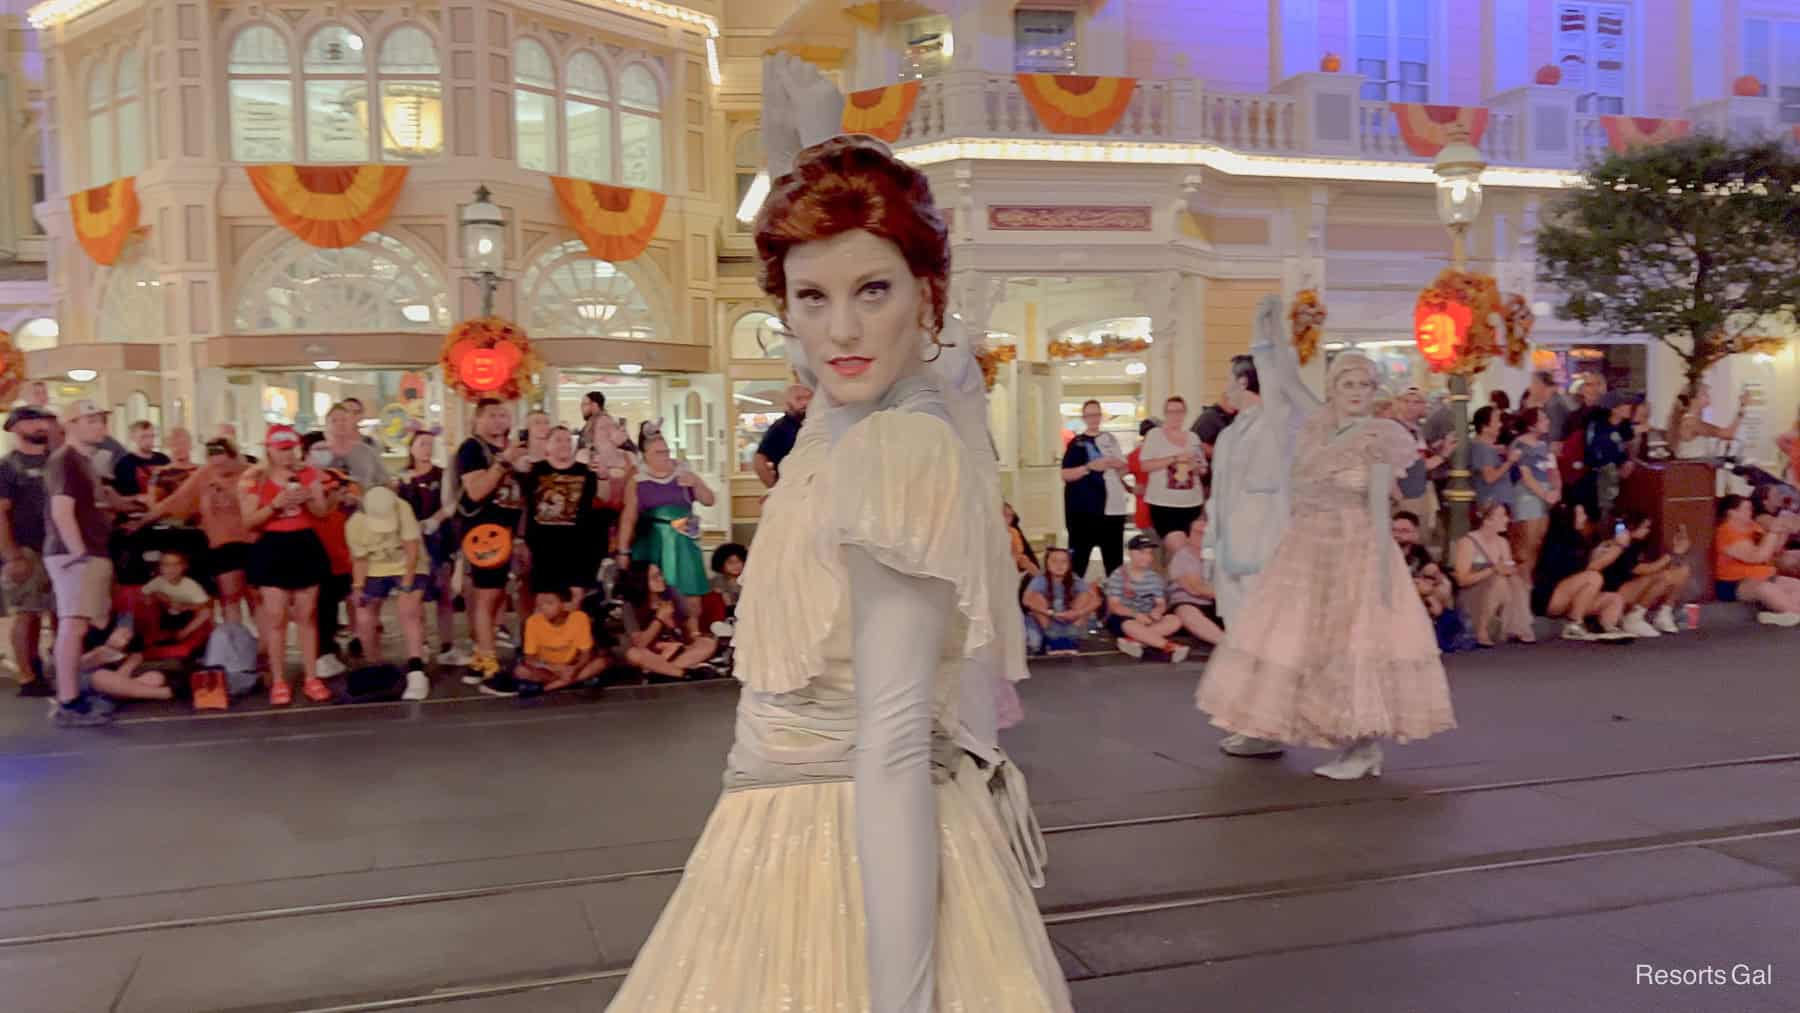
x,y
1638,625
1783,619
1613,633
724,630
1664,620
1576,631
481,668
330,666
1131,648
1179,653
418,686
36,687
500,685
452,656
504,637
80,712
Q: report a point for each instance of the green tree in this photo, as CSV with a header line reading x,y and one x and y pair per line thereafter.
x,y
1695,243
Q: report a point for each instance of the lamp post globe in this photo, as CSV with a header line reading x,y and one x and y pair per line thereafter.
x,y
484,245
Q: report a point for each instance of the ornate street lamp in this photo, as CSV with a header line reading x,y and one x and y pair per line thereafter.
x,y
1459,166
484,245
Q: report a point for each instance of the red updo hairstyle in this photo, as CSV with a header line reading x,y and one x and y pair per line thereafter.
x,y
847,184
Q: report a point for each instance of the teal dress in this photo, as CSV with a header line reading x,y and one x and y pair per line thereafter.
x,y
662,504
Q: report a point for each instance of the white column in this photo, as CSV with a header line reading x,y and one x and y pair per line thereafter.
x,y
1171,299
1294,38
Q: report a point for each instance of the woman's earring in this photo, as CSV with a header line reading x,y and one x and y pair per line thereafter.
x,y
937,347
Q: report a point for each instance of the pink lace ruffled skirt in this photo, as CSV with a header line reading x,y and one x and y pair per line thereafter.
x,y
1317,656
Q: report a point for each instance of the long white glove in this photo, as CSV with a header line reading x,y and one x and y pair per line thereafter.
x,y
801,108
898,625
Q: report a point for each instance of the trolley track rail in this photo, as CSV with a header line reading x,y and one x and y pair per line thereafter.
x,y
1085,912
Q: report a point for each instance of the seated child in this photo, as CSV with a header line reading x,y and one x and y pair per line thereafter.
x,y
726,586
559,646
183,607
109,665
662,631
1137,602
1058,605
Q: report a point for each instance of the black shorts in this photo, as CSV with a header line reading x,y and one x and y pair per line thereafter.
x,y
1169,519
560,574
1115,625
490,578
228,558
288,560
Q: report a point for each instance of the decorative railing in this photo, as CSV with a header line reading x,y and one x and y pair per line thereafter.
x,y
1313,116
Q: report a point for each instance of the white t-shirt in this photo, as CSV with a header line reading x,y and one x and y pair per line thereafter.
x,y
1179,484
1118,501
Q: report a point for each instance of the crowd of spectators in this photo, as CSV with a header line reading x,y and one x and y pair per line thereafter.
x,y
1548,537
572,557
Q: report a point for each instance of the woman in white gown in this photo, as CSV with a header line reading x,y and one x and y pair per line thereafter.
x,y
870,852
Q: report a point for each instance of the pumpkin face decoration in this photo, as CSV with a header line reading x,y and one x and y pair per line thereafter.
x,y
1331,63
489,357
485,369
488,546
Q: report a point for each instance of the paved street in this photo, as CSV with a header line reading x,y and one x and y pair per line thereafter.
x,y
1602,807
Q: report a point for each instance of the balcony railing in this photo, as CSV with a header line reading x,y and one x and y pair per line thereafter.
x,y
1312,115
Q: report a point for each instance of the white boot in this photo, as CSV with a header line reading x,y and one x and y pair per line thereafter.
x,y
1249,745
1637,623
1664,620
1362,759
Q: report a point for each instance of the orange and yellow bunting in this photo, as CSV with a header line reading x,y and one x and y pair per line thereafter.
x,y
105,217
1427,128
331,206
1626,132
880,112
616,222
1077,103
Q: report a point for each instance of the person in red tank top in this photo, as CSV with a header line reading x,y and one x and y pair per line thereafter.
x,y
282,504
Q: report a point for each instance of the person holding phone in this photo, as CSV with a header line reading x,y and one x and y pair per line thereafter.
x,y
1645,581
659,511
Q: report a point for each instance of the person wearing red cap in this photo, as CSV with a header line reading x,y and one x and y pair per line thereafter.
x,y
287,560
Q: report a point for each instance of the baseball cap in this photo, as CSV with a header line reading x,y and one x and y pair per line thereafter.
x,y
1141,542
82,409
280,436
381,510
26,413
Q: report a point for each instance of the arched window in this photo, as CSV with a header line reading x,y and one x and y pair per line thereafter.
x,y
99,124
534,106
349,95
335,72
588,114
412,96
571,295
129,113
260,91
757,335
37,334
131,299
640,128
380,284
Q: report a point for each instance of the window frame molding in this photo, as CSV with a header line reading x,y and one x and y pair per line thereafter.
x,y
297,37
1437,74
1633,98
614,66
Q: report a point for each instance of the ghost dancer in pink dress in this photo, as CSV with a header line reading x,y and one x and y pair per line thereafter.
x,y
1331,648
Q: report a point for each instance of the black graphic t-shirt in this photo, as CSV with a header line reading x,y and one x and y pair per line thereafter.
x,y
559,508
503,504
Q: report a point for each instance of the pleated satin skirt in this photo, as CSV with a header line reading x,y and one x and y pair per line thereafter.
x,y
768,917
